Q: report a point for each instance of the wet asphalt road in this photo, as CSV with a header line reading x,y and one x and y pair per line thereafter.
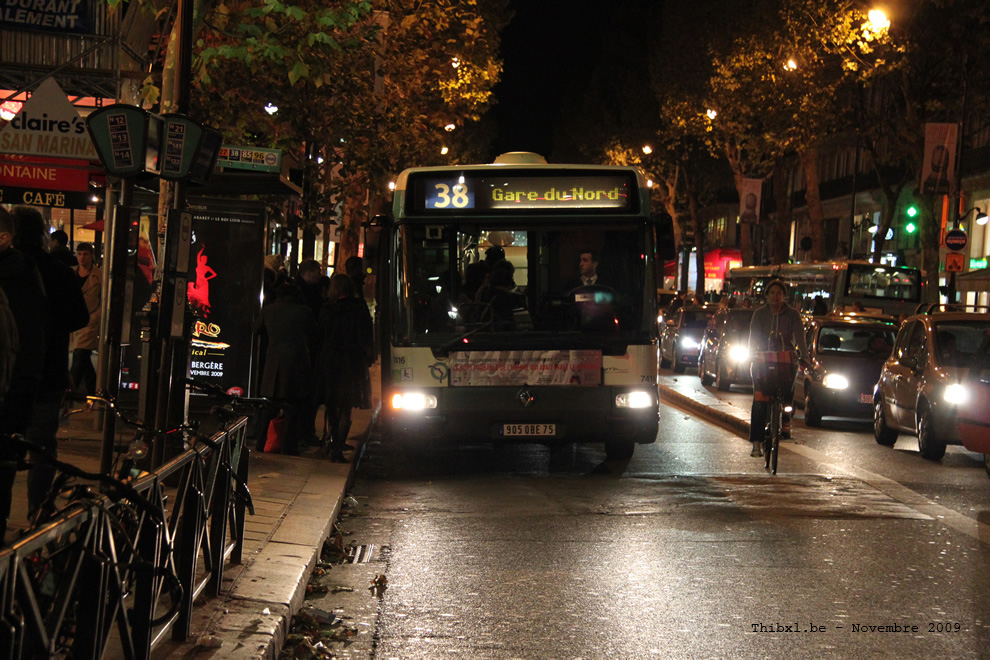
x,y
523,552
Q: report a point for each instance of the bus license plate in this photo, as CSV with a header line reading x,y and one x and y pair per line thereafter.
x,y
529,430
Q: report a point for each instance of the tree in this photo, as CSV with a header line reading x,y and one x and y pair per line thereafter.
x,y
366,87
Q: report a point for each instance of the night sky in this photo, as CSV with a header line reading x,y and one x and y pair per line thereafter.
x,y
545,49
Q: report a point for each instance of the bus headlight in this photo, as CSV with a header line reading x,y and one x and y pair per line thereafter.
x,y
413,401
955,393
634,399
739,353
689,342
835,382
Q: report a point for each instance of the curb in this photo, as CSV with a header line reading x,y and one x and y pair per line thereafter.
x,y
725,418
298,596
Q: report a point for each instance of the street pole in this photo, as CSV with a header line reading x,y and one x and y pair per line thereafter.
x,y
169,409
112,330
956,200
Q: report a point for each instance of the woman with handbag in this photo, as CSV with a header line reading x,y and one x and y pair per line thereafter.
x,y
775,327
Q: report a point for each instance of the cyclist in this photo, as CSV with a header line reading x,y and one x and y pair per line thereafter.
x,y
776,317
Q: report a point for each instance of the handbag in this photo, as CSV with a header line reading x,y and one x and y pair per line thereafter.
x,y
774,370
276,435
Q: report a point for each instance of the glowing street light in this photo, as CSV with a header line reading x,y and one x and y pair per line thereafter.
x,y
443,151
790,65
711,113
647,149
877,21
271,108
449,127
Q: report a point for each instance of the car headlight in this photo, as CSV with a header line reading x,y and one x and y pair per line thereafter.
x,y
634,399
689,342
739,353
413,401
956,393
835,382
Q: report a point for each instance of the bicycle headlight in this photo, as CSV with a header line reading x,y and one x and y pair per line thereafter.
x,y
413,401
634,399
738,353
835,382
956,393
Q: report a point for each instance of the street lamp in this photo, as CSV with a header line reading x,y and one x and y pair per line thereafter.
x,y
647,149
981,217
877,21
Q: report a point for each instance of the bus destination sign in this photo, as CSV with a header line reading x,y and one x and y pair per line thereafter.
x,y
515,193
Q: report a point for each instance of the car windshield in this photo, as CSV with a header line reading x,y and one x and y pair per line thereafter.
x,y
857,340
957,342
695,319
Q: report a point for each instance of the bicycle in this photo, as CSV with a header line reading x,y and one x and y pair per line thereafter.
x,y
773,377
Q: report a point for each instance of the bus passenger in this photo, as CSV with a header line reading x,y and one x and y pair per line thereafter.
x,y
501,296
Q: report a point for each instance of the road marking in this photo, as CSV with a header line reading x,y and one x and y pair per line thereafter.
x,y
957,521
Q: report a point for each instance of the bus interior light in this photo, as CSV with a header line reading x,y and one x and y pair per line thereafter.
x,y
634,399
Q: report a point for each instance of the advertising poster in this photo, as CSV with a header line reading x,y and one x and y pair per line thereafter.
x,y
515,368
224,291
939,168
750,192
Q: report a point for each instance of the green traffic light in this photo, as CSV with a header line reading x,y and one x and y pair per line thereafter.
x,y
910,228
912,211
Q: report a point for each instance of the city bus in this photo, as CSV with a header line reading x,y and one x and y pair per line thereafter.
x,y
529,356
892,290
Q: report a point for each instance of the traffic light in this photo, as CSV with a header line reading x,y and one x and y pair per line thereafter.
x,y
912,211
910,227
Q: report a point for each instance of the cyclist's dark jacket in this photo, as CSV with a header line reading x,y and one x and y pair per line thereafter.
x,y
788,323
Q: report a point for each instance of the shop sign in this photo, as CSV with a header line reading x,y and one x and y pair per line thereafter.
x,y
38,197
47,125
74,16
44,173
977,264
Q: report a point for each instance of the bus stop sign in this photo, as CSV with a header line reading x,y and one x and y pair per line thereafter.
x,y
956,239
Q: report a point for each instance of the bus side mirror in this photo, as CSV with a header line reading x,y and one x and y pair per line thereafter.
x,y
666,248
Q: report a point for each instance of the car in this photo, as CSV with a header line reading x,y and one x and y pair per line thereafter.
x,y
682,334
724,355
923,384
974,418
845,357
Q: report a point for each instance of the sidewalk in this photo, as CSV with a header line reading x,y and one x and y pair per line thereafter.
x,y
296,500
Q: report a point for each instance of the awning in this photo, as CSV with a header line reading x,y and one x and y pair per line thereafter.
x,y
974,280
96,225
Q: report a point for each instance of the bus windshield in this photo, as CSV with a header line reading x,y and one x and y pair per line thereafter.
x,y
884,282
468,283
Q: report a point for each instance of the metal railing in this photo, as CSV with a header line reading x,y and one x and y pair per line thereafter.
x,y
118,569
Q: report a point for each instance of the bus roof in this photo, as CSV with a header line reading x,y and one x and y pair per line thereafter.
x,y
520,163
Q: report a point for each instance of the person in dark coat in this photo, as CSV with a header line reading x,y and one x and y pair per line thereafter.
x,y
59,248
346,352
67,312
25,293
287,375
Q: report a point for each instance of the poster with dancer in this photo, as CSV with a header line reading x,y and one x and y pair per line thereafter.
x,y
224,290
